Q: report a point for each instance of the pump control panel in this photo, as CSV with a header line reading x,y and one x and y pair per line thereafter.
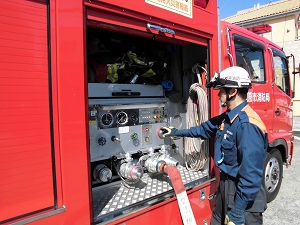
x,y
119,129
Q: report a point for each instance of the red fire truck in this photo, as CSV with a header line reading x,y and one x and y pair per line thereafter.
x,y
85,87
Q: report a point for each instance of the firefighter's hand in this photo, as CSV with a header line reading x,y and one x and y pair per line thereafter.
x,y
169,132
235,216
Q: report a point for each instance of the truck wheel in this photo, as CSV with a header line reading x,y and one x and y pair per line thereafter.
x,y
272,174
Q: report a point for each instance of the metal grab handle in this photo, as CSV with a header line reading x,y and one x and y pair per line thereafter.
x,y
161,29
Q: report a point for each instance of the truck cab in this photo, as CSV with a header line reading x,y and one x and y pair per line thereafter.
x,y
271,94
86,87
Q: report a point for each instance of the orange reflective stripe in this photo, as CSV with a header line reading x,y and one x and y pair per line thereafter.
x,y
254,118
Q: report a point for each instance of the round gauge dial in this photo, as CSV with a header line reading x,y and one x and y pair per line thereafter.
x,y
134,117
121,118
106,119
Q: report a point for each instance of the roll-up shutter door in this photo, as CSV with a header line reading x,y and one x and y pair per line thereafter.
x,y
133,21
26,176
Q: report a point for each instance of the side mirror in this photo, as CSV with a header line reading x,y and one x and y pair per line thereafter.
x,y
292,93
294,73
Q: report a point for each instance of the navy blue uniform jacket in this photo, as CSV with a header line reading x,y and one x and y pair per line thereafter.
x,y
240,148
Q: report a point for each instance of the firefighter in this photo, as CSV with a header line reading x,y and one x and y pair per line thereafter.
x,y
240,148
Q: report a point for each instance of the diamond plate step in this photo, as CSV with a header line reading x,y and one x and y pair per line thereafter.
x,y
115,198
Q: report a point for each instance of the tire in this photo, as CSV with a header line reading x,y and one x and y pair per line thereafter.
x,y
273,172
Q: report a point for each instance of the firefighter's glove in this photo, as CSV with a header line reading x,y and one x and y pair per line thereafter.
x,y
170,132
235,216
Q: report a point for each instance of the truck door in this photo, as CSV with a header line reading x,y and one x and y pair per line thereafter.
x,y
250,54
26,166
282,110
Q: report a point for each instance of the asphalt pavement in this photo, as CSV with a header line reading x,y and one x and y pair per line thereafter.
x,y
285,209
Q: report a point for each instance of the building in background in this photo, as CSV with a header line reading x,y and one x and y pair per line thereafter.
x,y
284,19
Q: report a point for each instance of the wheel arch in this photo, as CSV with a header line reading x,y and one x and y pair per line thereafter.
x,y
281,145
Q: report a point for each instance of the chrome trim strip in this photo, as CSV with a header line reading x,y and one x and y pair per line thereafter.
x,y
40,216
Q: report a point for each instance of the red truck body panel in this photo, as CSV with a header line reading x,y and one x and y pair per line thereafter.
x,y
266,97
46,169
24,98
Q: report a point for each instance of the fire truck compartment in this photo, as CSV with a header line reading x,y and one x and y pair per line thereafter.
x,y
137,83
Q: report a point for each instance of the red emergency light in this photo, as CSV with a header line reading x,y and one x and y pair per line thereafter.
x,y
260,29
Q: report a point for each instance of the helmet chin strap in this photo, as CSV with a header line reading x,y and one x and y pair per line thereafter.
x,y
227,100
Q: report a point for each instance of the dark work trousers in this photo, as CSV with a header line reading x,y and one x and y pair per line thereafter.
x,y
225,201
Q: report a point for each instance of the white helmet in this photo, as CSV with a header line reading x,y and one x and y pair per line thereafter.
x,y
231,77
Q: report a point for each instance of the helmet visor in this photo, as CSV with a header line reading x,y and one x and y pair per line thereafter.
x,y
216,82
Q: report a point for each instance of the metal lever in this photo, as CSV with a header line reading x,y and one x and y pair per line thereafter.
x,y
116,139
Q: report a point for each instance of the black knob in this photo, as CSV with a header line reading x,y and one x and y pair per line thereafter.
x,y
102,141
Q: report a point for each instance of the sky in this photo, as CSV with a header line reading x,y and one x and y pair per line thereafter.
x,y
231,7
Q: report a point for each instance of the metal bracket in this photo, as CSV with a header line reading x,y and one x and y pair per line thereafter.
x,y
202,195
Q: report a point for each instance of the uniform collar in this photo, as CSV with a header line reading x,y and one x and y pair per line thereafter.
x,y
236,111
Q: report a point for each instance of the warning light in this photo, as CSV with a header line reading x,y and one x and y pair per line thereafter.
x,y
260,29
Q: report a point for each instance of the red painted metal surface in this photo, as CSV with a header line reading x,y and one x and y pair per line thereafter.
x,y
139,13
29,179
70,113
279,126
147,11
168,212
26,165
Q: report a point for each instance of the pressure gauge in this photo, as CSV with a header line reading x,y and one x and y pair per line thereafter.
x,y
121,118
106,119
134,117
